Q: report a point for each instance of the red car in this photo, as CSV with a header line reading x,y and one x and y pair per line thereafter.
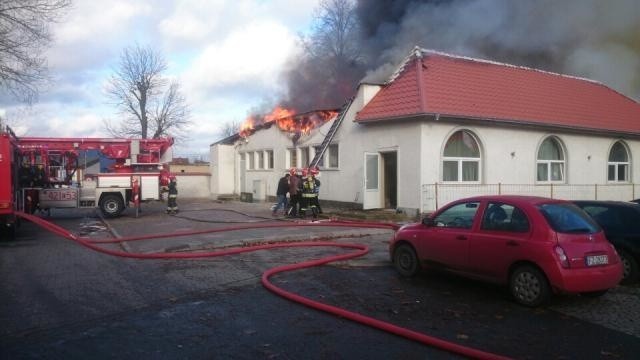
x,y
536,245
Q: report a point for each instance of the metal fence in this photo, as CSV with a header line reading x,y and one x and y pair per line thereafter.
x,y
436,195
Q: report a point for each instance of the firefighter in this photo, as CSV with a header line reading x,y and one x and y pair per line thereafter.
x,y
315,172
309,195
172,205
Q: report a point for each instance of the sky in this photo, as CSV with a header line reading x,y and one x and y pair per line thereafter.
x,y
230,56
227,56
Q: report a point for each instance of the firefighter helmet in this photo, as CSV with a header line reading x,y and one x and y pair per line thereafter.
x,y
315,171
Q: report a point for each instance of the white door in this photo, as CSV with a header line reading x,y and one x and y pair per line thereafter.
x,y
372,198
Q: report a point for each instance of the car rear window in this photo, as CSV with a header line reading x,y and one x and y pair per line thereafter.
x,y
568,218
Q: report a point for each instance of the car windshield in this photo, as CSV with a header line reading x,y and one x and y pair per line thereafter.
x,y
568,218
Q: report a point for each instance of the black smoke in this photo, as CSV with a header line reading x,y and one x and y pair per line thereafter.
x,y
588,38
595,39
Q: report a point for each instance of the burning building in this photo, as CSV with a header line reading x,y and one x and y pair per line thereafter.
x,y
287,120
443,127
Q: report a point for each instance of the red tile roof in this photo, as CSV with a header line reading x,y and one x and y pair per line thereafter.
x,y
463,87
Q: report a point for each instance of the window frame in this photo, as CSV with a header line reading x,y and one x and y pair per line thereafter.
x,y
321,162
292,154
330,153
550,163
252,160
260,162
269,159
618,164
305,152
461,160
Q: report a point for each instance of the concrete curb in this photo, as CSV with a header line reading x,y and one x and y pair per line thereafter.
x,y
112,230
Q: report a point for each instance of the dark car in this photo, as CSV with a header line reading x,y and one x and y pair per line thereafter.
x,y
621,223
536,246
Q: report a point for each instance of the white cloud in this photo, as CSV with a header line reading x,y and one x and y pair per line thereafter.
x,y
251,56
94,20
55,119
92,32
85,124
227,55
194,22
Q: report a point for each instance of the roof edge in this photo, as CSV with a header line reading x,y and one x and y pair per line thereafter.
x,y
528,123
418,52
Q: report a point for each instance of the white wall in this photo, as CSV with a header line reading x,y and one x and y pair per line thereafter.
x,y
222,167
586,156
278,141
193,185
419,144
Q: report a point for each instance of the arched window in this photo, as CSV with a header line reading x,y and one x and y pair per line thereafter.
x,y
618,165
550,161
461,158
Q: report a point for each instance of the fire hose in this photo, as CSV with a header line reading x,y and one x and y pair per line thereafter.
x,y
337,311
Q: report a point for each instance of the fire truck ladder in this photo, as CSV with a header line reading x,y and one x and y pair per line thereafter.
x,y
332,131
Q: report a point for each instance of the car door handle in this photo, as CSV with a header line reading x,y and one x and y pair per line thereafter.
x,y
461,237
513,243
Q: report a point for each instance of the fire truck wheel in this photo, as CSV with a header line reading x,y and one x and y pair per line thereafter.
x,y
111,205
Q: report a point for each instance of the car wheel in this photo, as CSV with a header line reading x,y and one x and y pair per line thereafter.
x,y
9,230
111,205
529,286
630,267
405,260
594,294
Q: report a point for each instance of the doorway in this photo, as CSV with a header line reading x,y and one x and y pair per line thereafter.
x,y
380,180
390,179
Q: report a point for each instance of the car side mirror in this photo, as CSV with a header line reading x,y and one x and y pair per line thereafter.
x,y
427,221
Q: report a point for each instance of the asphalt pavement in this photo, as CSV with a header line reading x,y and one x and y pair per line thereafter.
x,y
62,301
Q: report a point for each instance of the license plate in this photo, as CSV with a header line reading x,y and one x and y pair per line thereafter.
x,y
594,260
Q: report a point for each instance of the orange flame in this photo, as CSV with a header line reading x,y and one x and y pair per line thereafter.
x,y
287,120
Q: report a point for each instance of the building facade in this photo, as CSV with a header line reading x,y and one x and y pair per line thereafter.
x,y
444,127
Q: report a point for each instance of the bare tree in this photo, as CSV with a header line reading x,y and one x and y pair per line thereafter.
x,y
336,32
171,115
24,35
16,118
139,90
229,128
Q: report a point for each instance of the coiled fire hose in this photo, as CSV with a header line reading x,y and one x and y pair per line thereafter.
x,y
340,312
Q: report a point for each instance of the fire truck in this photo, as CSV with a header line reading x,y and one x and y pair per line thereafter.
x,y
39,174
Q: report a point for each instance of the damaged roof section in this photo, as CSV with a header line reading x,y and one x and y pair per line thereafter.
x,y
289,121
436,83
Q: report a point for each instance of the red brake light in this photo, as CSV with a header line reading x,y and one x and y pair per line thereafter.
x,y
5,205
562,257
